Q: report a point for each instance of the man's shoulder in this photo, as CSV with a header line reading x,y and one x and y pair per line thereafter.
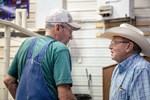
x,y
141,63
28,40
59,45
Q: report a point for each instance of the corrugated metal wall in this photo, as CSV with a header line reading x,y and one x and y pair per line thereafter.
x,y
89,53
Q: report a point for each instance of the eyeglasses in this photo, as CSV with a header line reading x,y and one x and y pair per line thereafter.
x,y
117,42
65,26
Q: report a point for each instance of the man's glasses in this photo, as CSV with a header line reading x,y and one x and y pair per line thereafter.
x,y
117,42
65,26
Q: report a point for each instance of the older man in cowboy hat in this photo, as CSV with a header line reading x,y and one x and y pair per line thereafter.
x,y
131,77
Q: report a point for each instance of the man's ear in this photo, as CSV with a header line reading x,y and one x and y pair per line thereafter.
x,y
57,27
130,46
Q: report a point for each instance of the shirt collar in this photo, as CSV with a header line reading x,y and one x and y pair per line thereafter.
x,y
126,63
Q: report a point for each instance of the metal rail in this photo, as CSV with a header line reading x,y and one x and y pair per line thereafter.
x,y
7,36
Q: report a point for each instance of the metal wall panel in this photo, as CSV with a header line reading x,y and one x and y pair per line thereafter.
x,y
142,3
89,52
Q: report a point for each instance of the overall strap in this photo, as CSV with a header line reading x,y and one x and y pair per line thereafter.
x,y
30,48
40,56
27,90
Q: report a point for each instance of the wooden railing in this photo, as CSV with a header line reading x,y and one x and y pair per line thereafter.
x,y
7,37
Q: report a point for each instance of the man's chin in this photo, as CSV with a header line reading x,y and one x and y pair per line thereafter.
x,y
112,57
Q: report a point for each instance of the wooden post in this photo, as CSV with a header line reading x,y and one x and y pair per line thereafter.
x,y
7,36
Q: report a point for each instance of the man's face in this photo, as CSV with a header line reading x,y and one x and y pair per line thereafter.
x,y
65,34
118,47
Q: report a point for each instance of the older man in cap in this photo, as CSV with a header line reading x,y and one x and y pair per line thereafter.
x,y
41,69
131,77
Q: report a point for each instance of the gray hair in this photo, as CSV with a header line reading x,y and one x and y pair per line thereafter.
x,y
136,48
49,25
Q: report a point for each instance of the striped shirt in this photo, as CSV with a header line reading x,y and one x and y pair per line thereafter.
x,y
131,80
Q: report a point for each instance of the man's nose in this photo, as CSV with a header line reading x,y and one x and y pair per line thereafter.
x,y
110,46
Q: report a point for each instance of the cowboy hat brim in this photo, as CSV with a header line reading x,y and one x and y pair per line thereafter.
x,y
130,34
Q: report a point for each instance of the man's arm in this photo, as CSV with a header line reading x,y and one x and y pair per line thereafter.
x,y
12,84
65,92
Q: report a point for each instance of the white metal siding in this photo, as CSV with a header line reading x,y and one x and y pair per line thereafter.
x,y
89,52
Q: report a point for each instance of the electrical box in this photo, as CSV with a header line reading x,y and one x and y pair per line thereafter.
x,y
105,10
114,9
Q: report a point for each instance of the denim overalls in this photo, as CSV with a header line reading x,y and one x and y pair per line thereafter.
x,y
32,85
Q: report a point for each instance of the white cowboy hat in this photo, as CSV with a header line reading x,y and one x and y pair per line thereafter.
x,y
132,33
